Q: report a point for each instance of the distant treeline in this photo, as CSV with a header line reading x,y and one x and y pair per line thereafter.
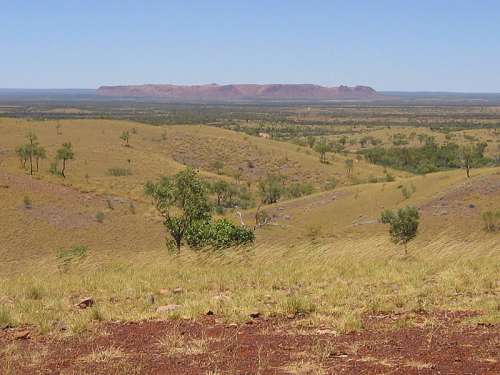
x,y
227,115
428,158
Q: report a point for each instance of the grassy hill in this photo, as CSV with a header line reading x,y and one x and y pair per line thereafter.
x,y
324,257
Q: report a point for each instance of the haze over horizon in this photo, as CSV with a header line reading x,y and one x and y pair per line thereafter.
x,y
430,46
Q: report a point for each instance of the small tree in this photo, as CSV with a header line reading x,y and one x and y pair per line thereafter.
x,y
221,189
218,166
349,166
271,189
403,224
39,153
23,154
322,148
181,200
467,157
310,141
125,136
65,153
31,148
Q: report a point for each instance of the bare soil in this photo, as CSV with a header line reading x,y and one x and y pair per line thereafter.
x,y
437,344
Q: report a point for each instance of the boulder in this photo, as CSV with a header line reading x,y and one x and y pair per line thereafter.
x,y
85,302
22,335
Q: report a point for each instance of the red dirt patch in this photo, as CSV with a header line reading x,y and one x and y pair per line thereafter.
x,y
266,347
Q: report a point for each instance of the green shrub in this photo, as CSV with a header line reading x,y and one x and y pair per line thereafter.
x,y
68,256
34,292
217,234
297,190
99,216
331,184
53,169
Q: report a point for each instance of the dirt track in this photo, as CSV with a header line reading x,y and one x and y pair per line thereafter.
x,y
265,347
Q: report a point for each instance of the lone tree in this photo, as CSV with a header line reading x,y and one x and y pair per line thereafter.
x,y
65,153
125,136
271,189
467,157
403,224
221,190
322,148
218,166
349,166
31,147
181,200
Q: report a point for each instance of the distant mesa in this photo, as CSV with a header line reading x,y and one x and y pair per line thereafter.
x,y
215,92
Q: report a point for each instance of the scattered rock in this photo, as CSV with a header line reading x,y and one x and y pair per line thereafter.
x,y
22,335
254,314
85,302
177,291
326,332
59,325
167,308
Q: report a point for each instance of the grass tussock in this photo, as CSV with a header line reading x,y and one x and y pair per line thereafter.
x,y
317,284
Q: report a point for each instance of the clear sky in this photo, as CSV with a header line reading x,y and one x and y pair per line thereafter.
x,y
449,45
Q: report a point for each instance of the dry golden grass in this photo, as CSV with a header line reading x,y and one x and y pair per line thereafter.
x,y
103,355
176,343
322,285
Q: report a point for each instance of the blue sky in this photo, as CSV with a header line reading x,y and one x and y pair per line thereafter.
x,y
389,45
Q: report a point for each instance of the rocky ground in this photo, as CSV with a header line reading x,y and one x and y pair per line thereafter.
x,y
437,344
